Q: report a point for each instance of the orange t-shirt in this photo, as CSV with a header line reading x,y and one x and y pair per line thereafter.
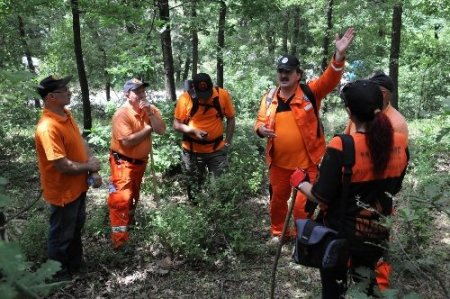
x,y
125,122
397,120
57,137
205,119
289,149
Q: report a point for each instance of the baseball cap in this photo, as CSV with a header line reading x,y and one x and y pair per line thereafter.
x,y
383,80
362,97
51,83
203,85
288,62
133,84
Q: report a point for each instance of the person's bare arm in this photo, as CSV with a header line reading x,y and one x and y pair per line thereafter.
x,y
231,124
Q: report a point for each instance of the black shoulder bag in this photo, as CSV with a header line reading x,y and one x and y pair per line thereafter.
x,y
319,246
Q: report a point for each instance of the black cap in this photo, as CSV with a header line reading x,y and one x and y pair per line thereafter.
x,y
51,83
203,85
363,98
383,80
133,84
288,62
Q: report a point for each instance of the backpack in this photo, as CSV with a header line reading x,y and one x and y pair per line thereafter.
x,y
188,86
310,96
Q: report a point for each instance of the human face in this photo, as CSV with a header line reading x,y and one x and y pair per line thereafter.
x,y
61,95
136,96
288,79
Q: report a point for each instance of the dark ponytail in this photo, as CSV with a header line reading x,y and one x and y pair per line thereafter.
x,y
380,140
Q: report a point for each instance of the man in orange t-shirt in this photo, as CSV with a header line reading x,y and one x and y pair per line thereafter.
x,y
132,126
397,119
295,139
65,162
198,115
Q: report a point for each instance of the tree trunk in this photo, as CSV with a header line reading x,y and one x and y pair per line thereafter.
x,y
87,118
270,38
194,38
186,68
166,43
395,50
327,37
26,48
221,42
284,45
296,31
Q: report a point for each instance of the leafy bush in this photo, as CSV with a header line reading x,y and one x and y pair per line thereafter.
x,y
33,240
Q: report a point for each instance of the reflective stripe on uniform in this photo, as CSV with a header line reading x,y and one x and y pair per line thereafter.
x,y
118,229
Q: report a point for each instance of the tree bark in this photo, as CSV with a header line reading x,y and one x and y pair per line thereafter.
x,y
285,33
327,37
166,44
296,31
221,42
395,50
186,68
26,48
194,38
87,118
270,38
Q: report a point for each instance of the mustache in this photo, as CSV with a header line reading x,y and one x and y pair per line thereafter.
x,y
284,79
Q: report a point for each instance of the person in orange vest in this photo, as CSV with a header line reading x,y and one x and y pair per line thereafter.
x,y
288,118
386,85
65,164
199,116
381,159
132,128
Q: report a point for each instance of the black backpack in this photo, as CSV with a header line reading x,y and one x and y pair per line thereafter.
x,y
189,87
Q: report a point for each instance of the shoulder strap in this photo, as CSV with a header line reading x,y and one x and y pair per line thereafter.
x,y
216,104
269,97
348,160
310,95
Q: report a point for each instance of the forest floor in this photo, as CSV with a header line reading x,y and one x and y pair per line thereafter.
x,y
145,271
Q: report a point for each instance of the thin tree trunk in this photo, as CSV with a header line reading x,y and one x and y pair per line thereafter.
x,y
166,43
395,50
270,38
221,42
186,68
296,31
327,37
284,45
87,118
31,67
194,38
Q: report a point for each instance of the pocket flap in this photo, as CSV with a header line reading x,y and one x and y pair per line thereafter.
x,y
310,232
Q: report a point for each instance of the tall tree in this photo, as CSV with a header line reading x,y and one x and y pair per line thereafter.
x,y
327,36
28,56
285,32
296,31
87,118
194,37
166,43
221,42
395,49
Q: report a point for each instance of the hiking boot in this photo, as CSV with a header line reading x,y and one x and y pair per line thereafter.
x,y
62,276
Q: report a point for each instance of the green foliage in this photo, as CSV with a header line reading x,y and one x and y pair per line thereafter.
x,y
33,240
17,281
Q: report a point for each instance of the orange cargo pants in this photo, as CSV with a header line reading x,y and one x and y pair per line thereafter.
x,y
125,184
280,193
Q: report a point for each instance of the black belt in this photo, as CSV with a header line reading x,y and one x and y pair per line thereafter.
x,y
118,156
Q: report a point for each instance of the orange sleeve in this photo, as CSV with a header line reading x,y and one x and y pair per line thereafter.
x,y
181,112
336,143
261,118
228,109
121,125
52,144
328,80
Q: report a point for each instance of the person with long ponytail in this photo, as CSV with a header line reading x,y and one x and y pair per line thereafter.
x,y
381,158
